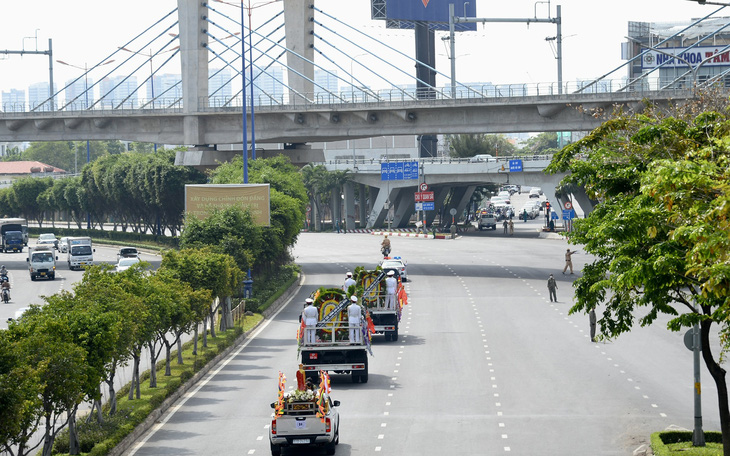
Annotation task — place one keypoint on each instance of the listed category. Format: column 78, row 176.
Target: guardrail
column 434, row 160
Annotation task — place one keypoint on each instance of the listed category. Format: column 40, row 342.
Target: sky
column 85, row 31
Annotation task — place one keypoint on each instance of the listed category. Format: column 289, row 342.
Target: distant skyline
column 85, row 31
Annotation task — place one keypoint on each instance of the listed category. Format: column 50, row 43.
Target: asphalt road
column 485, row 365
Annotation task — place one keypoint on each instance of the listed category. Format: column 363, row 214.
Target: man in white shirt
column 354, row 320
column 348, row 281
column 310, row 315
column 391, row 284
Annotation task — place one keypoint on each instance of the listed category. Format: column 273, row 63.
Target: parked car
column 487, row 220
column 47, row 239
column 63, row 245
column 535, row 192
column 531, row 210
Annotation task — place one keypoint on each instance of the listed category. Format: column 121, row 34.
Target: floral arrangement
column 301, row 396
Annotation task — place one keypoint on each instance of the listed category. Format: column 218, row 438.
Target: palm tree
column 315, row 178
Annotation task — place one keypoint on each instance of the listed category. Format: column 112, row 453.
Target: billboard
column 694, row 56
column 202, row 199
column 402, row 14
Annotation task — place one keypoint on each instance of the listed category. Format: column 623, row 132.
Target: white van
column 80, row 252
column 482, row 158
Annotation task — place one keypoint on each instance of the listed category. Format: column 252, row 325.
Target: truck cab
column 42, row 262
column 80, row 252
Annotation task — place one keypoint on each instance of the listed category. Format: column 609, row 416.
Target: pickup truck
column 486, row 221
column 304, row 419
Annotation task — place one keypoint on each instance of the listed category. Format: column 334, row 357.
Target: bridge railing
column 357, row 96
column 434, row 160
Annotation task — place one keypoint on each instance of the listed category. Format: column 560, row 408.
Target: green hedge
column 101, row 236
column 661, row 442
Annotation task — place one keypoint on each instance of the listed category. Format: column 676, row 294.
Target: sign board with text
column 202, row 199
column 423, row 196
column 392, row 171
column 425, row 206
column 515, row 166
column 568, row 214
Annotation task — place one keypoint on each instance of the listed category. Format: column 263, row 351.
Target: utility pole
column 49, row 53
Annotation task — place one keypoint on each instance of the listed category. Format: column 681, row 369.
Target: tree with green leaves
column 660, row 234
column 543, row 143
column 314, row 177
column 469, row 145
column 26, row 191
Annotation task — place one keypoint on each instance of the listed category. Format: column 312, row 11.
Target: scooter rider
column 385, row 246
column 6, row 286
column 3, row 271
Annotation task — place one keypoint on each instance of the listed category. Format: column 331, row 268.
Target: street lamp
column 86, row 98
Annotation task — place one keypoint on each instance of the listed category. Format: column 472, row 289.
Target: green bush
column 198, row 364
column 252, row 304
column 186, row 375
column 662, row 443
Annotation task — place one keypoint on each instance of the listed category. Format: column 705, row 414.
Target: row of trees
column 58, row 355
column 469, row 145
column 660, row 234
column 135, row 190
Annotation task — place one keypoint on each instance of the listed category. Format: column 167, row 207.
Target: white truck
column 304, row 418
column 80, row 252
column 42, row 262
column 486, row 221
column 331, row 348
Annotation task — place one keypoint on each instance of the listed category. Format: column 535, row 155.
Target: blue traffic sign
column 515, row 166
column 568, row 214
column 392, row 171
column 427, row 206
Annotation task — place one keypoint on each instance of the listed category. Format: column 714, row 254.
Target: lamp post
column 86, row 102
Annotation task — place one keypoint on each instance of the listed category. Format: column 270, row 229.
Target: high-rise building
column 326, row 83
column 268, row 87
column 220, row 89
column 13, row 101
column 119, row 92
column 167, row 90
column 77, row 95
column 38, row 97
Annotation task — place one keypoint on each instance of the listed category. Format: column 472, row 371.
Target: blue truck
column 11, row 237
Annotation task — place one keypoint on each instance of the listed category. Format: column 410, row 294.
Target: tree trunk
column 195, row 341
column 112, row 395
column 168, row 358
column 205, row 332
column 153, row 366
column 718, row 374
column 179, row 350
column 73, row 437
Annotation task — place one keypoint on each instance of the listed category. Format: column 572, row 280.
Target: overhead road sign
column 515, row 166
column 403, row 14
column 391, row 171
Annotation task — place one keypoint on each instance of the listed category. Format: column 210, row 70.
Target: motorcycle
column 385, row 251
column 6, row 295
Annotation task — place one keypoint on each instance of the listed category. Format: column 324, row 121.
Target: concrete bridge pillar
column 194, row 65
column 364, row 201
column 349, row 192
column 300, row 49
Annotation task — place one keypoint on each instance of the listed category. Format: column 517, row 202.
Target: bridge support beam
column 349, row 192
column 362, row 208
column 300, row 49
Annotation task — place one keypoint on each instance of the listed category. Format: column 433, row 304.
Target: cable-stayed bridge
column 204, row 107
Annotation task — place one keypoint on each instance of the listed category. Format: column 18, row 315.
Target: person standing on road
column 348, row 281
column 310, row 315
column 592, row 321
column 524, row 215
column 569, row 260
column 511, row 227
column 552, row 287
column 354, row 321
column 391, row 285
column 504, row 224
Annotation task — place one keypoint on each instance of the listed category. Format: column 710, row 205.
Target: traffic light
column 547, row 206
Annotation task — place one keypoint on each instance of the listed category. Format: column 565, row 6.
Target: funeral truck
column 385, row 316
column 332, row 348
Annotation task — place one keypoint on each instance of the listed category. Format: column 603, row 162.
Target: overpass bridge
column 453, row 181
column 203, row 121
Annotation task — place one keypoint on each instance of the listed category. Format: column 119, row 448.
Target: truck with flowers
column 336, row 343
column 305, row 416
column 384, row 311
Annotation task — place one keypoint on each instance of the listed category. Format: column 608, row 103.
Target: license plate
column 43, row 273
column 300, row 441
column 301, row 425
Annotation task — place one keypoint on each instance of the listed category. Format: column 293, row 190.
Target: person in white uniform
column 354, row 320
column 348, row 281
column 391, row 284
column 310, row 315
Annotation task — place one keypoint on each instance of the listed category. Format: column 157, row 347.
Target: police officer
column 348, row 281
column 310, row 314
column 354, row 320
column 552, row 286
column 391, row 284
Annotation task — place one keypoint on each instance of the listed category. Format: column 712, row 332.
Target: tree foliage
column 469, row 145
column 660, row 234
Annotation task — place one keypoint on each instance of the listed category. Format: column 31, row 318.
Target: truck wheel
column 275, row 449
column 387, row 336
column 355, row 376
column 32, row 279
column 330, row 448
column 394, row 334
column 364, row 377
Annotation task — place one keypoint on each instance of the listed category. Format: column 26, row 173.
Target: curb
column 155, row 415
